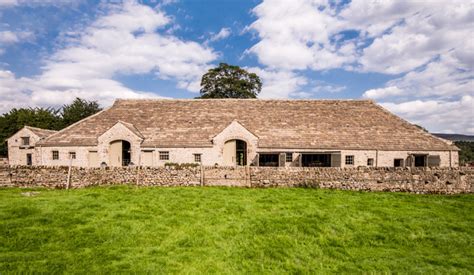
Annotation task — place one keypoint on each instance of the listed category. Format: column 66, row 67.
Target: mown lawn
column 231, row 230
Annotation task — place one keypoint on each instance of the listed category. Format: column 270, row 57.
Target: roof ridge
column 239, row 99
column 37, row 128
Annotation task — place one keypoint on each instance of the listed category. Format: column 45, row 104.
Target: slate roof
column 42, row 133
column 292, row 124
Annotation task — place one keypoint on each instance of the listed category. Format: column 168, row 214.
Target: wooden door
column 115, row 153
column 229, row 153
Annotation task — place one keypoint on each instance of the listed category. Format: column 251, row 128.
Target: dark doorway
column 29, row 159
column 125, row 153
column 420, row 160
column 268, row 160
column 241, row 152
column 316, row 160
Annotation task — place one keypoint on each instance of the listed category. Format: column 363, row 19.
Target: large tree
column 77, row 110
column 227, row 81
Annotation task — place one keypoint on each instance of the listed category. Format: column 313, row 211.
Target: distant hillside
column 455, row 137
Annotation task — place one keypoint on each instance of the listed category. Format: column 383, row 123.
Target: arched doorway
column 235, row 152
column 119, row 153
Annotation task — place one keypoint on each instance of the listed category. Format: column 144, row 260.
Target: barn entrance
column 235, row 152
column 119, row 153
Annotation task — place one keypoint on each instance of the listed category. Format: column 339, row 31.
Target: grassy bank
column 231, row 230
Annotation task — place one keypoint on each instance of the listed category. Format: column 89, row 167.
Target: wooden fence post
column 68, row 184
column 248, row 176
column 202, row 175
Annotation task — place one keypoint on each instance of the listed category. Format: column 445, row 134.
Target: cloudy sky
column 415, row 58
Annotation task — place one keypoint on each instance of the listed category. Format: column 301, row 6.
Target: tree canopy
column 77, row 110
column 46, row 118
column 227, row 81
column 466, row 155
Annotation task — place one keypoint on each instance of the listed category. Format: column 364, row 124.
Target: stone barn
column 236, row 132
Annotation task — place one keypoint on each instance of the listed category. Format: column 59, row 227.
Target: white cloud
column 428, row 29
column 278, row 84
column 322, row 87
column 7, row 3
column 306, row 34
column 438, row 116
column 8, row 38
column 297, row 35
column 383, row 92
column 12, row 3
column 427, row 44
column 222, row 34
column 124, row 41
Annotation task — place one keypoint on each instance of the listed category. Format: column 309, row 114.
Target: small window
column 370, row 162
column 398, row 163
column 72, row 155
column 349, row 160
column 25, row 141
column 55, row 154
column 197, row 157
column 289, row 157
column 164, row 155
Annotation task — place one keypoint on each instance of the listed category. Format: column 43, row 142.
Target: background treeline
column 46, row 118
column 466, row 155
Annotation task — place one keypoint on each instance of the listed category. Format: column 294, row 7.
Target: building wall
column 213, row 155
column 45, row 156
column 17, row 155
column 183, row 155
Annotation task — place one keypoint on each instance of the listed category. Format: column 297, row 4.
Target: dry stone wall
column 415, row 180
column 420, row 180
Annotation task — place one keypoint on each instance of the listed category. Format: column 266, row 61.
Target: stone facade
column 420, row 180
column 18, row 150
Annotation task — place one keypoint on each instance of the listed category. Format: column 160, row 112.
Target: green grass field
column 232, row 230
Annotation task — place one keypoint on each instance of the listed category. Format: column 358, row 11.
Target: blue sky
column 414, row 58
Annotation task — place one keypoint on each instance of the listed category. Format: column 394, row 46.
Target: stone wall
column 415, row 180
column 57, row 177
column 421, row 180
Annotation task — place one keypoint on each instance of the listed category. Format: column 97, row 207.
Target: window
column 316, row 160
column 370, row 162
column 197, row 157
column 72, row 155
column 55, row 154
column 164, row 155
column 420, row 160
column 25, row 141
column 349, row 160
column 289, row 157
column 268, row 160
column 398, row 163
